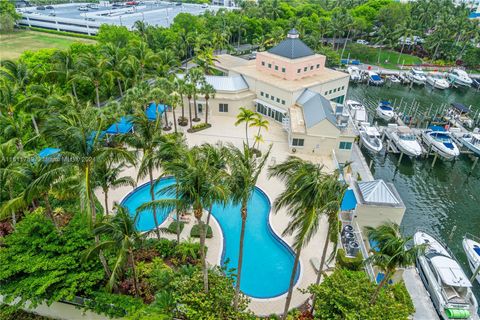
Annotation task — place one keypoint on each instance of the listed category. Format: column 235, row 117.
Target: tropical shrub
column 188, row 252
column 172, row 227
column 346, row 295
column 199, row 127
column 354, row 264
column 165, row 247
column 9, row 313
column 195, row 232
column 39, row 264
column 112, row 305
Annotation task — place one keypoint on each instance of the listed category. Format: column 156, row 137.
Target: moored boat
column 405, row 140
column 394, row 79
column 446, row 282
column 374, row 79
column 417, row 76
column 357, row 111
column 439, row 140
column 459, row 77
column 471, row 246
column 354, row 73
column 470, row 140
column 439, row 83
column 385, row 110
column 457, row 114
column 370, row 138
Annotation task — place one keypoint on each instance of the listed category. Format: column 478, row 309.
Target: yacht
column 354, row 73
column 370, row 138
column 394, row 79
column 457, row 115
column 446, row 282
column 459, row 77
column 417, row 76
column 385, row 110
column 357, row 112
column 439, row 140
column 374, row 79
column 471, row 246
column 405, row 140
column 403, row 78
column 439, row 83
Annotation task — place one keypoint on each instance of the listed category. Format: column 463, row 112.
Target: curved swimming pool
column 267, row 260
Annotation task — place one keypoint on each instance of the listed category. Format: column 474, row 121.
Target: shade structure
column 349, row 202
column 123, row 126
column 154, row 111
column 48, row 152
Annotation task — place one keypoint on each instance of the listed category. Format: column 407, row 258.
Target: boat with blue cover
column 374, row 79
column 385, row 110
column 471, row 246
column 440, row 141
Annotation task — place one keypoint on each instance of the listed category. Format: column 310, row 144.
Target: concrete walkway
column 424, row 309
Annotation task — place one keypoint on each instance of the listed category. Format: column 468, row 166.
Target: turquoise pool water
column 267, row 260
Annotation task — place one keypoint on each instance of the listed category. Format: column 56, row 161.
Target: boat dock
column 424, row 309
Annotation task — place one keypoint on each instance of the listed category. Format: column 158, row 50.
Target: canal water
column 441, row 199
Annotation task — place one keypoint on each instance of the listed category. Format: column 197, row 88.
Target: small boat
column 374, row 79
column 370, row 138
column 459, row 77
column 385, row 110
column 439, row 140
column 394, row 79
column 354, row 73
column 417, row 76
column 403, row 78
column 476, row 83
column 471, row 141
column 449, row 287
column 405, row 140
column 471, row 246
column 357, row 111
column 457, row 114
column 439, row 83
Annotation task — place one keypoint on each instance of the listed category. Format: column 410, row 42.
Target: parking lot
column 156, row 13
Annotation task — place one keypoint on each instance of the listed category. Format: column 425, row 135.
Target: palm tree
column 261, row 123
column 17, row 73
column 179, row 89
column 107, row 175
column 303, row 204
column 91, row 70
column 245, row 116
column 209, row 91
column 65, row 67
column 113, row 62
column 392, row 252
column 244, row 170
column 196, row 78
column 122, row 237
column 188, row 89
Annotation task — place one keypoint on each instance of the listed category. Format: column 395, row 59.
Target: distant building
column 288, row 84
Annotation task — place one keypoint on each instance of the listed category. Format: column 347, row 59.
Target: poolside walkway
column 223, row 130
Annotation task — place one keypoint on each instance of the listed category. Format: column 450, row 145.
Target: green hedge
column 199, row 127
column 173, row 226
column 62, row 33
column 354, row 264
column 195, row 232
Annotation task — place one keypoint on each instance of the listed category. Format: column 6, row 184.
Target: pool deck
column 223, row 130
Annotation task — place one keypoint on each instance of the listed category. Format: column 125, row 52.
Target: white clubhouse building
column 288, row 84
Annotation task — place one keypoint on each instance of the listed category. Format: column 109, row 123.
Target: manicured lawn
column 13, row 44
column 388, row 58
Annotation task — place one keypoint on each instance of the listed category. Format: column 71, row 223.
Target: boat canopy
column 372, row 131
column 404, row 130
column 375, row 77
column 385, row 102
column 437, row 128
column 349, row 202
column 460, row 108
column 450, row 272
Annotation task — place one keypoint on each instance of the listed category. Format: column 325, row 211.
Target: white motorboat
column 471, row 246
column 459, row 77
column 449, row 287
column 439, row 140
column 469, row 140
column 394, row 79
column 417, row 76
column 385, row 110
column 357, row 112
column 370, row 138
column 354, row 73
column 405, row 140
column 403, row 78
column 439, row 83
column 374, row 79
column 457, row 115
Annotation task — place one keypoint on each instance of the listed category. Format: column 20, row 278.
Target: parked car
column 40, row 8
column 90, row 19
column 83, row 8
column 178, row 3
column 204, row 5
column 131, row 3
column 49, row 7
column 92, row 6
column 52, row 14
column 361, row 41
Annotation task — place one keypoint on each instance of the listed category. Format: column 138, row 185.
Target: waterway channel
column 439, row 199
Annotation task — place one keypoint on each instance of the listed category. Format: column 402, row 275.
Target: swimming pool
column 267, row 260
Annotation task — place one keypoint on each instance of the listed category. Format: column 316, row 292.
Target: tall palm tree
column 209, row 91
column 261, row 123
column 245, row 116
column 392, row 253
column 303, row 204
column 107, row 175
column 91, row 70
column 113, row 62
column 196, row 78
column 65, row 68
column 17, row 73
column 121, row 236
column 244, row 169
